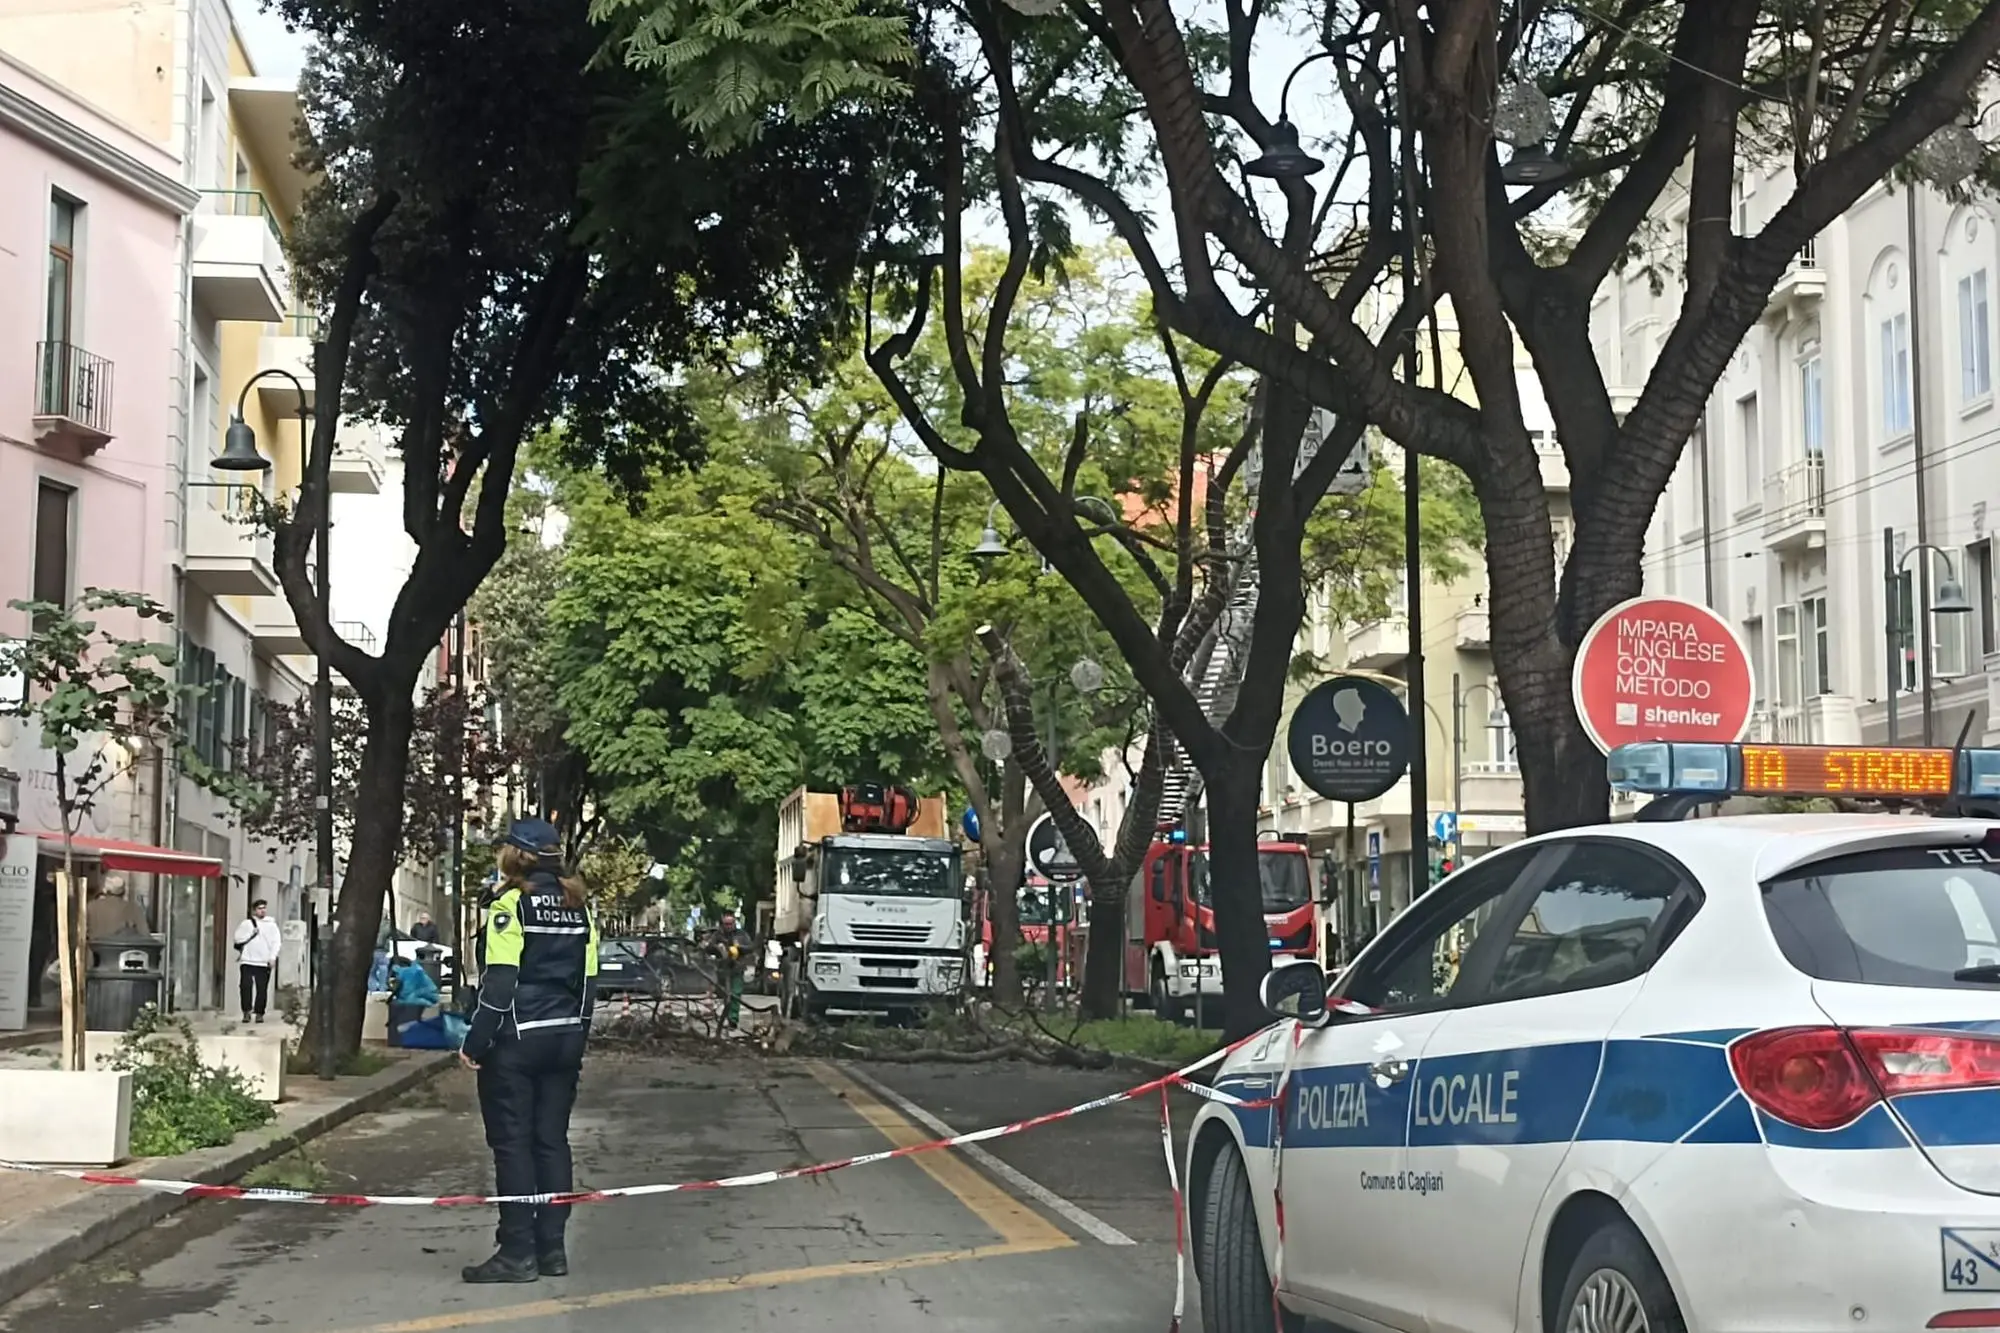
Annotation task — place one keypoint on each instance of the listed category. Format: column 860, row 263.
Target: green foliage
column 179, row 1104
column 616, row 869
column 723, row 66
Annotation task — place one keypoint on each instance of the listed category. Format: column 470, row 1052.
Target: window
column 58, row 324
column 1818, row 647
column 1562, row 534
column 53, row 531
column 1906, row 629
column 1594, row 924
column 1979, row 587
column 1896, row 376
column 1753, row 639
column 1902, row 917
column 1791, row 684
column 1812, row 406
column 1975, row 340
column 1499, row 738
column 1750, row 448
column 1418, row 962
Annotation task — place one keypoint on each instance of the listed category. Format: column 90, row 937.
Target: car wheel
column 1165, row 1007
column 1229, row 1263
column 1615, row 1285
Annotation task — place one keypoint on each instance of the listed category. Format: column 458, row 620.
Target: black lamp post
column 1950, row 600
column 239, row 454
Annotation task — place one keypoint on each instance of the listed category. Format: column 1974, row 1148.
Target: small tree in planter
column 87, row 687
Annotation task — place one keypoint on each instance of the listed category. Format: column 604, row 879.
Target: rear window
column 1909, row 917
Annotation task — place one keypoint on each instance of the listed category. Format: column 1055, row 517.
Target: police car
column 1713, row 1074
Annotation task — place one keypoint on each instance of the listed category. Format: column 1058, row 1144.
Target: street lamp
column 1949, row 601
column 1496, row 720
column 239, row 454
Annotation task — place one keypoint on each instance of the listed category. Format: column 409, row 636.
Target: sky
column 277, row 54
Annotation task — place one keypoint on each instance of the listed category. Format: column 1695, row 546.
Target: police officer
column 537, row 988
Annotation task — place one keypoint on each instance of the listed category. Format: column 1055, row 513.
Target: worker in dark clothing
column 733, row 949
column 537, row 989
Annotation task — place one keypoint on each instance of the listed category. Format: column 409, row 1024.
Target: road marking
column 1089, row 1223
column 714, row 1286
column 1016, row 1223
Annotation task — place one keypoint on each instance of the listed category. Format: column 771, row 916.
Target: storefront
column 28, row 938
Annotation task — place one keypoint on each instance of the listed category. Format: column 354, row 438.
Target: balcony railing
column 1795, row 494
column 357, row 633
column 74, row 386
column 243, row 204
column 301, row 325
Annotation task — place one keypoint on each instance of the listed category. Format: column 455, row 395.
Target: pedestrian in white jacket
column 258, row 945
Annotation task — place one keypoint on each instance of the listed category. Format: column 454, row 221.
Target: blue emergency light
column 1873, row 772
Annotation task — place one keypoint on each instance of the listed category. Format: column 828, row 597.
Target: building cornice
column 85, row 149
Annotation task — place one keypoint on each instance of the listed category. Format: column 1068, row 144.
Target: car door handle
column 1390, row 1069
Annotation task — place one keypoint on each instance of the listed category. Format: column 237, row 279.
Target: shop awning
column 137, row 857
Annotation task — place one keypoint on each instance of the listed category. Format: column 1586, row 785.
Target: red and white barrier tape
column 195, row 1189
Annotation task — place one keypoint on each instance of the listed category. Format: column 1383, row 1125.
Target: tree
column 1037, row 107
column 706, row 668
column 98, row 699
column 509, row 232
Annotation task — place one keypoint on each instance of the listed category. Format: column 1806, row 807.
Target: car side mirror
column 1159, row 882
column 1296, row 991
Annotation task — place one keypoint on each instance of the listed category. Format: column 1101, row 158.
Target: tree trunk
column 1005, row 869
column 1236, row 893
column 71, row 950
column 1104, row 963
column 371, row 865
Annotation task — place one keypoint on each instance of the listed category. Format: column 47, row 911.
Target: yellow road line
column 1014, row 1221
column 783, row 1277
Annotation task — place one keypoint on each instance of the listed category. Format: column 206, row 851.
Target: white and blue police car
column 1709, row 1074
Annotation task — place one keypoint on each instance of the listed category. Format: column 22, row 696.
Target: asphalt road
column 1068, row 1226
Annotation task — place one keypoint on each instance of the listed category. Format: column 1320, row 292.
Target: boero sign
column 1350, row 739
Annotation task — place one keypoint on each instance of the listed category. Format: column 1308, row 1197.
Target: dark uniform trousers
column 526, row 1089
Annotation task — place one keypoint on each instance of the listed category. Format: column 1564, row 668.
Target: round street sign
column 1662, row 669
column 1349, row 739
column 1049, row 854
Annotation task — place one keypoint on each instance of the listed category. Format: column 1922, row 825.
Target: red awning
column 138, row 857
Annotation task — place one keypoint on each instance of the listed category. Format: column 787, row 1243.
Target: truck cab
column 873, row 914
column 1171, row 956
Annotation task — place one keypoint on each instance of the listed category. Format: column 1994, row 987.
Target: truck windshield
column 1034, row 905
column 891, row 873
column 1285, row 883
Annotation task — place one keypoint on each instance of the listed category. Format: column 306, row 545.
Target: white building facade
column 1851, row 441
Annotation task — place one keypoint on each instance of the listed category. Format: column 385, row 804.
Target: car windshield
column 891, row 873
column 1916, row 916
column 1286, row 884
column 626, row 951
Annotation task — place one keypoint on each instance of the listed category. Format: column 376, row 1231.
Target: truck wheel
column 1236, row 1294
column 1165, row 1007
column 1616, row 1286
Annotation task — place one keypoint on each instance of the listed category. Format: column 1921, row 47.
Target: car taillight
column 1822, row 1078
column 1809, row 1077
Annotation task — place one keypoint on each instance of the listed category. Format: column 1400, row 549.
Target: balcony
column 1493, row 787
column 288, row 348
column 239, row 258
column 1795, row 505
column 358, row 464
column 230, row 553
column 72, row 398
column 1801, row 287
column 274, row 629
column 1379, row 643
column 357, row 633
column 1549, row 454
column 1474, row 632
column 1824, row 719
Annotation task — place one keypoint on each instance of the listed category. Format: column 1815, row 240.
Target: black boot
column 502, row 1267
column 553, row 1263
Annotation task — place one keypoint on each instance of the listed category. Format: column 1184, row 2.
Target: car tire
column 1165, row 1007
column 1236, row 1294
column 1615, row 1285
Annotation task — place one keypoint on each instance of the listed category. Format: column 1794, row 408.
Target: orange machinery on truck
column 1170, row 950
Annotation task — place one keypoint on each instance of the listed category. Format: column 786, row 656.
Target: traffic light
column 1444, row 860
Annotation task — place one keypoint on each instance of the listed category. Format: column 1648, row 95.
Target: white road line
column 1095, row 1227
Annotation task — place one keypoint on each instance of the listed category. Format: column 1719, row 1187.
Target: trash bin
column 125, row 976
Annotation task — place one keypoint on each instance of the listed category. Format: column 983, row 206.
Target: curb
column 21, row 1041
column 43, row 1247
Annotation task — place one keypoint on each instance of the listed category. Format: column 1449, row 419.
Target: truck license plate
column 1971, row 1258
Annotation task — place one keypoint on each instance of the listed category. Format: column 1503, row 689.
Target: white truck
column 870, row 903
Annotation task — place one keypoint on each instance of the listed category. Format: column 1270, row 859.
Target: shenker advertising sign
column 1662, row 669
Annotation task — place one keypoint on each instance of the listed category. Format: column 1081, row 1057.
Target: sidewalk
column 48, row 1224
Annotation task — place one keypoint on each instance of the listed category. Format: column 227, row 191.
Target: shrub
column 180, row 1104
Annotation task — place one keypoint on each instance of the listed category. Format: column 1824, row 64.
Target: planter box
column 56, row 1118
column 259, row 1059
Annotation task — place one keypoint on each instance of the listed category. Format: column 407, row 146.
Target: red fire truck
column 1035, row 902
column 1170, row 950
